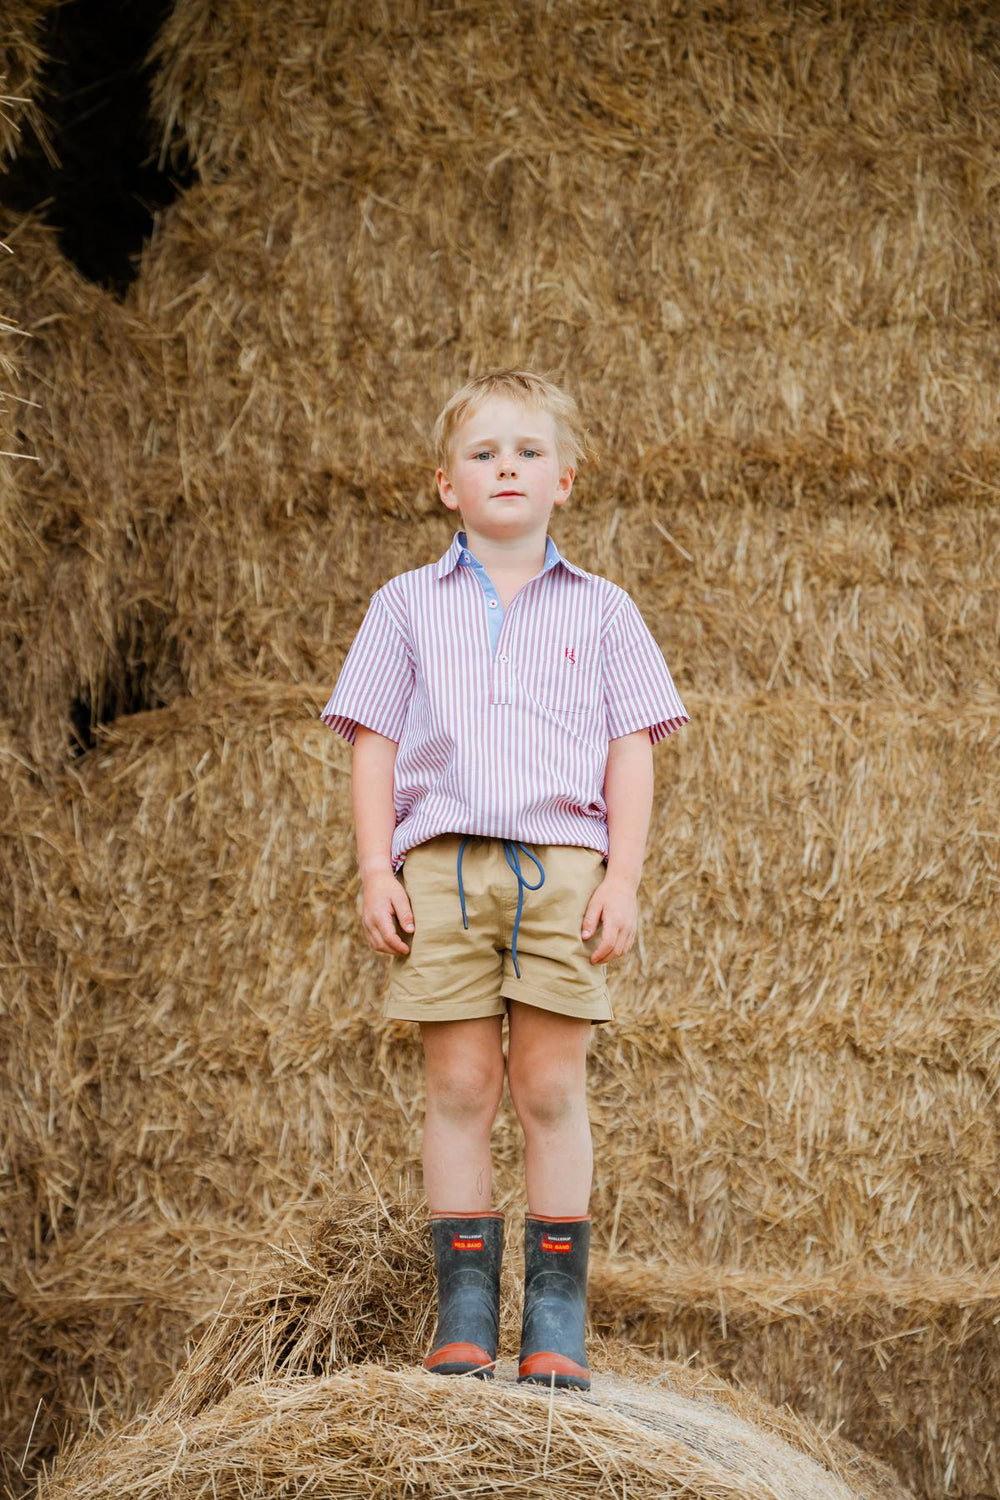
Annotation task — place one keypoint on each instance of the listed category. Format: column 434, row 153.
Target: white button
column 493, row 604
column 503, row 658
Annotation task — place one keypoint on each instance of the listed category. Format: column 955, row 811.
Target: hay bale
column 742, row 227
column 313, row 1376
column 166, row 557
column 376, row 1432
column 85, row 632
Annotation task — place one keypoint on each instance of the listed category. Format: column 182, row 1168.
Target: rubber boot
column 556, row 1251
column 467, row 1253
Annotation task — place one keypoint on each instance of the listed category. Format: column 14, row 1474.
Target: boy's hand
column 616, row 903
column 383, row 897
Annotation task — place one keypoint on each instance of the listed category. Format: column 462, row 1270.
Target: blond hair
column 534, row 391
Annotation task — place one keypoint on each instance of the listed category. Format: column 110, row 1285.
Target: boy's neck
column 521, row 556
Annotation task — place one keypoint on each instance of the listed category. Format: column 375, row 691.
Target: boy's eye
column 484, row 453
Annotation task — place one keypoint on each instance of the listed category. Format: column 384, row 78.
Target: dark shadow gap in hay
column 126, row 686
column 98, row 179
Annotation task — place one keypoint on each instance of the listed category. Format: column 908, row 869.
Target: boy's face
column 504, row 474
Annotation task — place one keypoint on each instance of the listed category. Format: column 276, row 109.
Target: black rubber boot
column 556, row 1252
column 467, row 1253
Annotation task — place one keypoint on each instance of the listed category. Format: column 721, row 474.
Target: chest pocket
column 563, row 683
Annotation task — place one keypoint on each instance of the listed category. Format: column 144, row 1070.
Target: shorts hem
column 597, row 1009
column 433, row 1010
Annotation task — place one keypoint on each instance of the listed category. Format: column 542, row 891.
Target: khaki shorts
column 452, row 973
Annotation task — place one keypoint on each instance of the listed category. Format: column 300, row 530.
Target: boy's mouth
column 509, row 495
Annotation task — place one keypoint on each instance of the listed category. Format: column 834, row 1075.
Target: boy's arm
column 372, row 765
column 628, row 793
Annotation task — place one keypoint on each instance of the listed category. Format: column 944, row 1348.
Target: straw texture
column 21, row 62
column 760, row 245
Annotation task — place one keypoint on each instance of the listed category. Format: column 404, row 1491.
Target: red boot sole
column 541, row 1366
column 459, row 1359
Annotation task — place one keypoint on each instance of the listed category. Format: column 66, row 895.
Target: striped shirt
column 502, row 718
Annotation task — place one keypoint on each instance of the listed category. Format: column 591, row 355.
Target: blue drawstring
column 510, row 848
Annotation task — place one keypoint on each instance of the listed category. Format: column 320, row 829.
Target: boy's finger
column 393, row 941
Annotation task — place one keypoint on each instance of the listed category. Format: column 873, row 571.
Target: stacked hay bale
column 717, row 232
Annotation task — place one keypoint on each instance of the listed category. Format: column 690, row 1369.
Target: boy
column 504, row 694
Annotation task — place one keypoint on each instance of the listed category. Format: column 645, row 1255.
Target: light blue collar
column 458, row 553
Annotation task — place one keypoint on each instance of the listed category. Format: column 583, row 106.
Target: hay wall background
column 763, row 249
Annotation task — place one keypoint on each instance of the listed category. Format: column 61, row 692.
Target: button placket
column 501, row 690
column 501, row 682
column 504, row 657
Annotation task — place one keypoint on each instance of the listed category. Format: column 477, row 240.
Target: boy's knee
column 466, row 1089
column 546, row 1100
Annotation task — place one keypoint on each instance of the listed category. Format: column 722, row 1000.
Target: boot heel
column 556, row 1252
column 467, row 1253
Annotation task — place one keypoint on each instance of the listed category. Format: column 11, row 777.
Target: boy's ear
column 445, row 489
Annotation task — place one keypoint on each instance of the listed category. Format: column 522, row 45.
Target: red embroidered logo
column 459, row 1242
column 570, row 654
column 548, row 1243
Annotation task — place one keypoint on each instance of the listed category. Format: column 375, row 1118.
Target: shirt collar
column 456, row 555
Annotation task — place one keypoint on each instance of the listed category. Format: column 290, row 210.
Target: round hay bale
column 370, row 1431
column 313, row 1381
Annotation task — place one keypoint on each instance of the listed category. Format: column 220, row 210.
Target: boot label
column 550, row 1243
column 462, row 1242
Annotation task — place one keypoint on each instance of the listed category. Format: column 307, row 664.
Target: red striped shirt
column 502, row 718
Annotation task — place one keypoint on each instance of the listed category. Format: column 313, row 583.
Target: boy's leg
column 464, row 1073
column 547, row 1076
column 547, row 1058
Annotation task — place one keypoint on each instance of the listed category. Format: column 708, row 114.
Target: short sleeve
column 376, row 680
column 639, row 691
